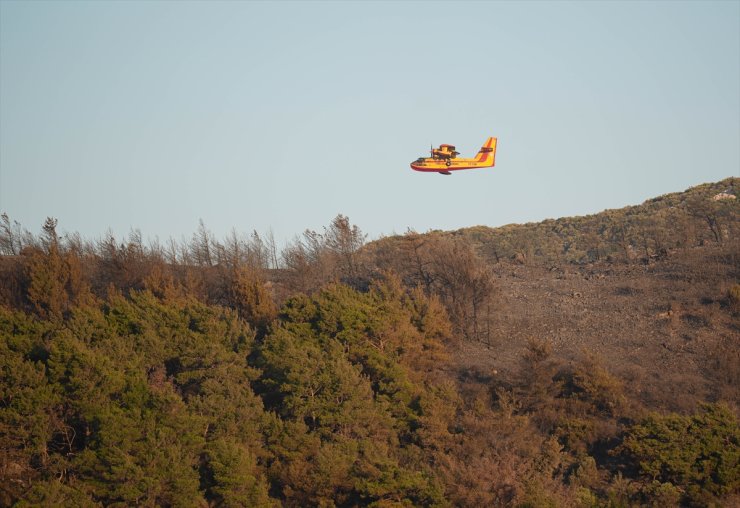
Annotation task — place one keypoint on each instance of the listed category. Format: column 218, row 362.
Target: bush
column 733, row 295
column 697, row 454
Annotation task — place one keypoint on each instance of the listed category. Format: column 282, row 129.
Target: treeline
column 226, row 373
column 47, row 273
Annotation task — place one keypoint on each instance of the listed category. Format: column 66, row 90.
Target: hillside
column 586, row 361
column 643, row 288
column 706, row 213
column 666, row 327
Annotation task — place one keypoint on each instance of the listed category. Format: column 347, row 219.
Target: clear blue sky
column 259, row 115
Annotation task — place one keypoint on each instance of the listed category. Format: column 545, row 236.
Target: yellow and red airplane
column 444, row 159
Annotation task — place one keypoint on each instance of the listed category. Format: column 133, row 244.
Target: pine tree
column 48, row 275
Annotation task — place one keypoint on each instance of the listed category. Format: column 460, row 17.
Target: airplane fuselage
column 436, row 165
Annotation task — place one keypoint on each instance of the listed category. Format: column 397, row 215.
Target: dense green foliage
column 124, row 403
column 697, row 457
column 137, row 400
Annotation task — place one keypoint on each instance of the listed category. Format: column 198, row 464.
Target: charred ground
column 666, row 327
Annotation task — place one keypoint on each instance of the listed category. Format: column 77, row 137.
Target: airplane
column 444, row 159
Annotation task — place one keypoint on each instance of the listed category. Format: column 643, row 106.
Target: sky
column 278, row 116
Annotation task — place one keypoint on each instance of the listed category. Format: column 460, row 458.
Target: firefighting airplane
column 444, row 159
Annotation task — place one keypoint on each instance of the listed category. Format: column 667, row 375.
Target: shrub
column 734, row 296
column 697, row 454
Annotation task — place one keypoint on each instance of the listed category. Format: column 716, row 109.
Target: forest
column 585, row 361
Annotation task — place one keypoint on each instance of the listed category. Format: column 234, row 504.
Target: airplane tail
column 487, row 153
